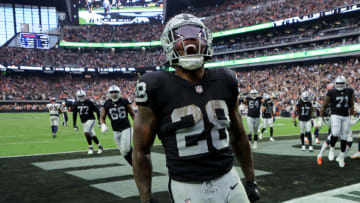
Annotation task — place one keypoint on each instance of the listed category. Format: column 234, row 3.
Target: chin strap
column 191, row 62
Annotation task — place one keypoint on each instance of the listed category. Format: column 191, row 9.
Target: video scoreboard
column 32, row 40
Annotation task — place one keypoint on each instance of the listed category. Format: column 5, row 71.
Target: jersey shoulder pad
column 149, row 83
column 223, row 74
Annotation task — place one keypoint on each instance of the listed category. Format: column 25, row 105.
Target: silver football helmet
column 340, row 82
column 253, row 93
column 81, row 95
column 305, row 97
column 267, row 96
column 187, row 42
column 114, row 93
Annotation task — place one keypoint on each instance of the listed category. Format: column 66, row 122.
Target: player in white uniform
column 54, row 110
column 64, row 111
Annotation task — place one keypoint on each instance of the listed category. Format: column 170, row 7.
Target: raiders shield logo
column 199, row 89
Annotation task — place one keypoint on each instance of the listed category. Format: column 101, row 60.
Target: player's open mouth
column 191, row 49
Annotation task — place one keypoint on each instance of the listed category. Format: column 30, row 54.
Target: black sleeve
column 74, row 110
column 96, row 110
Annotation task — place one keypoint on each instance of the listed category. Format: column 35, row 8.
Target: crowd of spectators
column 284, row 83
column 288, row 49
column 228, row 15
column 57, row 57
column 136, row 58
column 42, row 87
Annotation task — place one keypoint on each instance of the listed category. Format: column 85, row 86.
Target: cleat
column 340, row 160
column 319, row 160
column 255, row 145
column 331, row 154
column 91, row 151
column 303, row 148
column 311, row 149
column 356, row 155
column 260, row 136
column 272, row 139
column 100, row 150
column 317, row 141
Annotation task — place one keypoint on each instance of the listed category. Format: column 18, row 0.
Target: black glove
column 152, row 200
column 295, row 124
column 252, row 191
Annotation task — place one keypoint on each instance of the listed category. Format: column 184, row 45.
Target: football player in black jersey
column 117, row 109
column 86, row 109
column 341, row 101
column 303, row 110
column 253, row 102
column 268, row 116
column 194, row 112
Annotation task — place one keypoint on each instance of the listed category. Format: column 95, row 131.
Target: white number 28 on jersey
column 217, row 113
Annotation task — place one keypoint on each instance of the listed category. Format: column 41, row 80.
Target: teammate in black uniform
column 303, row 110
column 86, row 109
column 117, row 109
column 341, row 101
column 268, row 116
column 192, row 111
column 253, row 102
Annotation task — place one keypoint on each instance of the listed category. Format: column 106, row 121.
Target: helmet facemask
column 340, row 83
column 114, row 95
column 81, row 95
column 187, row 42
column 253, row 94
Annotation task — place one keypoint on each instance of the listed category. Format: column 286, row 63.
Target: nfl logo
column 199, row 89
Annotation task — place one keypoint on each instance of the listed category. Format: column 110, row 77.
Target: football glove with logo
column 252, row 191
column 104, row 128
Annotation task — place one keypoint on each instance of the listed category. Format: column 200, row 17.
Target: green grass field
column 30, row 133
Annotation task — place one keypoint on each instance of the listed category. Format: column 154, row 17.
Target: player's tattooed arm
column 102, row 115
column 326, row 104
column 144, row 135
column 240, row 143
column 131, row 111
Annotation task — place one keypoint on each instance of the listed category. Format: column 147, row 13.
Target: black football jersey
column 118, row 113
column 253, row 106
column 340, row 101
column 304, row 110
column 86, row 110
column 268, row 109
column 193, row 121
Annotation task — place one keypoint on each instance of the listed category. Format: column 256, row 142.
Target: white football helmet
column 305, row 97
column 253, row 93
column 80, row 95
column 187, row 42
column 266, row 96
column 340, row 82
column 114, row 93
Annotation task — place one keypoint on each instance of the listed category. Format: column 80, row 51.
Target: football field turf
column 59, row 170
